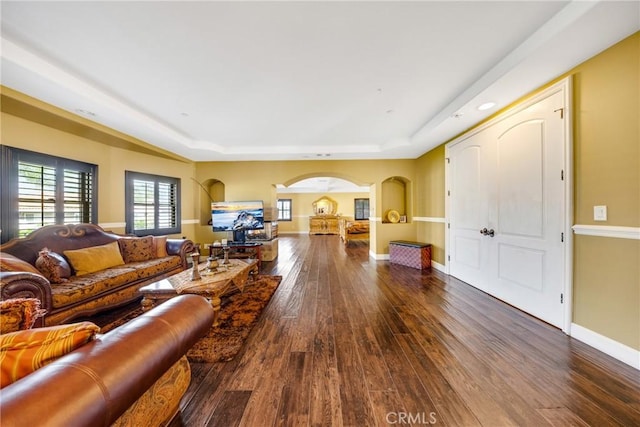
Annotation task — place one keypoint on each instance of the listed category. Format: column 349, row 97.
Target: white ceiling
column 296, row 80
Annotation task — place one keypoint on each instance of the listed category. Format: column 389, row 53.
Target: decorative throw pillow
column 160, row 246
column 53, row 266
column 95, row 258
column 9, row 262
column 23, row 352
column 17, row 314
column 136, row 249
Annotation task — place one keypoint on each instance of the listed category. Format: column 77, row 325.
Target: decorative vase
column 195, row 274
column 212, row 263
column 225, row 261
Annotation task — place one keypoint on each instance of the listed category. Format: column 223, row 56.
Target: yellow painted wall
column 112, row 163
column 607, row 135
column 429, row 202
column 607, row 172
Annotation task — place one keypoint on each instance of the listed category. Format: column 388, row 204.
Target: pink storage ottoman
column 411, row 254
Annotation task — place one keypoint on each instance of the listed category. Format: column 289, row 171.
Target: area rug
column 238, row 314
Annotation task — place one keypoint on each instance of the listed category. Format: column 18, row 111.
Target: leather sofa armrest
column 27, row 285
column 95, row 384
column 181, row 247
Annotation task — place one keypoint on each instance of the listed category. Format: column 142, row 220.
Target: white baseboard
column 619, row 351
column 438, row 266
column 378, row 257
column 385, row 257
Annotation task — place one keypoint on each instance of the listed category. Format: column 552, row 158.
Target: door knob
column 486, row 232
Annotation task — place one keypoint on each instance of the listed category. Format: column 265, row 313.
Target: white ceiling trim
column 567, row 16
column 579, row 31
column 38, row 66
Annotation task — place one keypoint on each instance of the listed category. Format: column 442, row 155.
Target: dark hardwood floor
column 348, row 341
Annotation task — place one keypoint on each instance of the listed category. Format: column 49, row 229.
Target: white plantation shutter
column 167, row 201
column 36, row 197
column 152, row 204
column 78, row 188
column 38, row 190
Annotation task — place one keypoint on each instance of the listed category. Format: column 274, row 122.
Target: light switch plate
column 599, row 213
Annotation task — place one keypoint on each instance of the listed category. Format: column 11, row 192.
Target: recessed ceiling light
column 486, row 106
column 85, row 112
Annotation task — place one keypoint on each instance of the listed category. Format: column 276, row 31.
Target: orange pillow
column 23, row 352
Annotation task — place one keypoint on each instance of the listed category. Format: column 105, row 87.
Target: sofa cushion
column 136, row 249
column 53, row 266
column 95, row 258
column 88, row 286
column 82, row 288
column 160, row 246
column 9, row 262
column 18, row 314
column 155, row 267
column 23, row 352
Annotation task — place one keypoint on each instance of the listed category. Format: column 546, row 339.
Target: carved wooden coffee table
column 212, row 284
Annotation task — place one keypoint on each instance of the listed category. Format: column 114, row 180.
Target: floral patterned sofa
column 79, row 270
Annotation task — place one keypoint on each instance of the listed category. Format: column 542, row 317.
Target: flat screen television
column 237, row 217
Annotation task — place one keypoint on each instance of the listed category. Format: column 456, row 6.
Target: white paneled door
column 506, row 208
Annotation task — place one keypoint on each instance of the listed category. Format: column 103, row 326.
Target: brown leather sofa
column 133, row 375
column 83, row 295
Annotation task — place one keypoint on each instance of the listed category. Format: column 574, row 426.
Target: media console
column 250, row 250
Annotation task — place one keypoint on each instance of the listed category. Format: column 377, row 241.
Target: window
column 361, row 208
column 152, row 204
column 38, row 190
column 284, row 209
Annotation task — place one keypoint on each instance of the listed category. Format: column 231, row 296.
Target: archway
column 301, row 192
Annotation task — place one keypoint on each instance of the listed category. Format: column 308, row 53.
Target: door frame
column 564, row 86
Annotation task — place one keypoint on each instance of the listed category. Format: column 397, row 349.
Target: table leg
column 215, row 303
column 147, row 304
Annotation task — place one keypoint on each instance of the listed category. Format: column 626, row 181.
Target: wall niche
column 211, row 190
column 395, row 199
